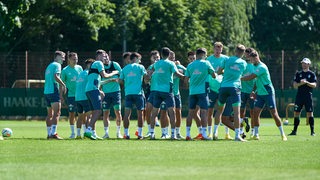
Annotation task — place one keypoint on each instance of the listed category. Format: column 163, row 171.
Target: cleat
column 98, row 138
column 239, row 139
column 147, row 135
column 255, row 137
column 179, row 136
column 313, row 134
column 72, row 136
column 215, row 137
column 243, row 135
column 293, row 133
column 152, row 136
column 284, row 137
column 198, row 137
column 119, row 136
column 140, row 138
column 126, row 136
column 89, row 135
column 206, row 138
column 56, row 136
column 173, row 137
column 106, row 136
column 78, row 137
column 228, row 137
column 247, row 124
column 188, row 138
column 136, row 133
column 165, row 136
column 210, row 135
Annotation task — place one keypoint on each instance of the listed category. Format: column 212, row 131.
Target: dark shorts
column 228, row 109
column 160, row 97
column 113, row 98
column 150, row 97
column 83, row 106
column 94, row 99
column 72, row 106
column 245, row 98
column 52, row 98
column 177, row 101
column 201, row 100
column 263, row 100
column 303, row 100
column 213, row 97
column 138, row 100
column 234, row 94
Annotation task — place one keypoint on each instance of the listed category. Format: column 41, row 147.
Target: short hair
column 201, row 51
column 165, row 51
column 240, row 48
column 218, row 44
column 72, row 54
column 154, row 52
column 254, row 53
column 134, row 55
column 59, row 53
column 191, row 53
column 249, row 50
column 126, row 54
column 100, row 51
column 172, row 52
column 88, row 61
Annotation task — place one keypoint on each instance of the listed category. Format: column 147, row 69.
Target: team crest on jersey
column 196, row 72
column 131, row 74
column 235, row 67
column 160, row 70
column 309, row 76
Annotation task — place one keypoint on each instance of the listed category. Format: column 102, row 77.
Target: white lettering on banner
column 33, row 102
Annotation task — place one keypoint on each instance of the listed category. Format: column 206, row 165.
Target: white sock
column 256, row 130
column 188, row 129
column 149, row 128
column 241, row 130
column 204, row 132
column 173, row 131
column 167, row 130
column 106, row 130
column 163, row 130
column 215, row 130
column 118, row 129
column 177, row 130
column 226, row 129
column 94, row 133
column 209, row 130
column 49, row 130
column 72, row 129
column 53, row 129
column 78, row 131
column 83, row 128
column 126, row 131
column 89, row 129
column 237, row 132
column 252, row 131
column 281, row 130
column 151, row 131
column 139, row 131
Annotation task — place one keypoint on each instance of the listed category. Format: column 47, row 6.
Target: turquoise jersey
column 247, row 86
column 69, row 76
column 216, row 63
column 132, row 75
column 112, row 86
column 176, row 80
column 81, row 86
column 51, row 85
column 263, row 80
column 233, row 70
column 198, row 72
column 162, row 77
column 151, row 84
column 94, row 78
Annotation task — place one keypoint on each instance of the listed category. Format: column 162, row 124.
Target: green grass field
column 28, row 155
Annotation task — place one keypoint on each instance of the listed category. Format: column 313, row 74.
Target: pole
column 282, row 70
column 26, row 70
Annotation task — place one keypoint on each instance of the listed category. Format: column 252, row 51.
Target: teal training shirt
column 132, row 75
column 233, row 70
column 216, row 63
column 112, row 86
column 81, row 86
column 152, row 84
column 263, row 79
column 51, row 85
column 247, row 86
column 69, row 76
column 162, row 77
column 94, row 79
column 176, row 80
column 198, row 72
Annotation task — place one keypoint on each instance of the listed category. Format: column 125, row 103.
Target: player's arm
column 248, row 77
column 105, row 75
column 108, row 81
column 61, row 83
column 220, row 71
